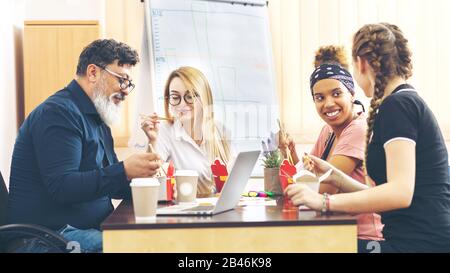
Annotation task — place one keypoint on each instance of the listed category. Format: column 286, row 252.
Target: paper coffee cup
column 145, row 198
column 186, row 181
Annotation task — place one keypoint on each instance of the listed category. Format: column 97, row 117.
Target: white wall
column 64, row 10
column 11, row 15
column 300, row 27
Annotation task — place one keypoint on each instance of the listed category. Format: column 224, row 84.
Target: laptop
column 231, row 191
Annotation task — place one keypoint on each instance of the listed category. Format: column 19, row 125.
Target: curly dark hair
column 331, row 55
column 102, row 52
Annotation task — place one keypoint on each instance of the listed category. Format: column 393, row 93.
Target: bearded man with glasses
column 64, row 170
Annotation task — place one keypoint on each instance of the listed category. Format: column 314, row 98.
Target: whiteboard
column 231, row 44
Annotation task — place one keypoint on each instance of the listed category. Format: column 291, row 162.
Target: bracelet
column 325, row 203
column 328, row 202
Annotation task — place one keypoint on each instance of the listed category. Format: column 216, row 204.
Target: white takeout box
column 310, row 179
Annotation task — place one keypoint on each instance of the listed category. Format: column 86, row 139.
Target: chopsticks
column 158, row 118
column 152, row 150
column 285, row 135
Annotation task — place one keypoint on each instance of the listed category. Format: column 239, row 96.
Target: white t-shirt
column 175, row 144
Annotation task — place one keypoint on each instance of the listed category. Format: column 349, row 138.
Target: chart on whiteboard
column 230, row 44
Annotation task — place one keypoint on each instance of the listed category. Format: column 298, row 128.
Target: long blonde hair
column 217, row 144
column 386, row 50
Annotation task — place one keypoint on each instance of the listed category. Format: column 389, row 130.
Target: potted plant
column 272, row 159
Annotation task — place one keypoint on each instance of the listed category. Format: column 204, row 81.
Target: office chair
column 15, row 236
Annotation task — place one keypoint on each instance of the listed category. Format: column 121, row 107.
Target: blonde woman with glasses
column 190, row 137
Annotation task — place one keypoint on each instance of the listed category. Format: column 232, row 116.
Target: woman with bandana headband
column 406, row 156
column 341, row 140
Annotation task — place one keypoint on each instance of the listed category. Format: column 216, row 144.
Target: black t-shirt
column 425, row 225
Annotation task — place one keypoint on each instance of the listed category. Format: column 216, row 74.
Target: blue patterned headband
column 333, row 71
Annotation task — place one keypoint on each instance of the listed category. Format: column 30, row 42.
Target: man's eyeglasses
column 175, row 99
column 124, row 82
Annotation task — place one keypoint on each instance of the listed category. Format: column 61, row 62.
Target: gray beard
column 109, row 112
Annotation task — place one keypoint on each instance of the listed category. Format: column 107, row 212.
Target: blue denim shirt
column 64, row 169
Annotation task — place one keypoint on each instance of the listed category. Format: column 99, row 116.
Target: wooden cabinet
column 51, row 51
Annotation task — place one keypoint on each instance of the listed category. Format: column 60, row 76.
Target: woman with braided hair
column 341, row 140
column 405, row 156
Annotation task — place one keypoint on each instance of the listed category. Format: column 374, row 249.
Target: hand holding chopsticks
column 150, row 126
column 284, row 136
column 152, row 150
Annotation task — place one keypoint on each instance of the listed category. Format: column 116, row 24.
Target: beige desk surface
column 244, row 229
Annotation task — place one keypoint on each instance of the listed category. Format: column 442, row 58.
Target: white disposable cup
column 145, row 198
column 186, row 181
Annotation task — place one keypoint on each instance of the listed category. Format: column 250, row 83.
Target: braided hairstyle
column 386, row 50
column 331, row 55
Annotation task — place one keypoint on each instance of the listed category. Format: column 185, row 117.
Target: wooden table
column 244, row 229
